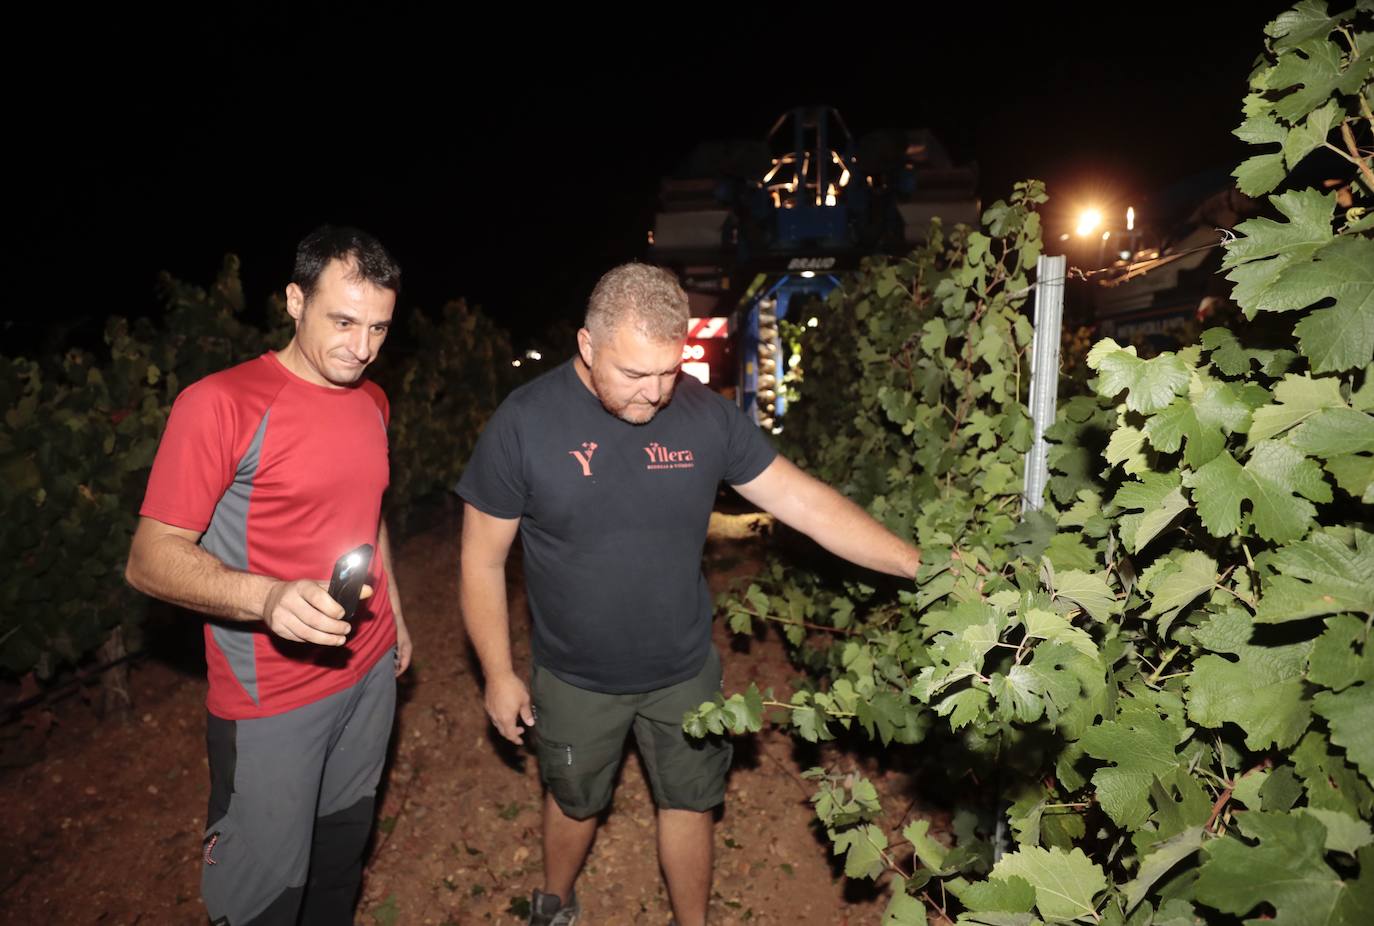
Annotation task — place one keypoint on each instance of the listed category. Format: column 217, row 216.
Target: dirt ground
column 102, row 821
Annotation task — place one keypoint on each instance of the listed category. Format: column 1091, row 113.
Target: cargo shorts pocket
column 580, row 783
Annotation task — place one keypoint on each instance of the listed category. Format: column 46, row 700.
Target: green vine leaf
column 1065, row 883
column 1325, row 574
column 1150, row 385
column 1142, row 746
column 1316, row 71
column 1348, row 714
column 1287, row 870
column 1260, row 697
column 1162, row 858
column 1269, row 248
column 1277, row 480
column 1174, row 582
column 1341, row 336
column 1296, row 399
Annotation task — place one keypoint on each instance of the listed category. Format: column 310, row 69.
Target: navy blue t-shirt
column 613, row 522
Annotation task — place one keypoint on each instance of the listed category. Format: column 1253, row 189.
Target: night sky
column 512, row 157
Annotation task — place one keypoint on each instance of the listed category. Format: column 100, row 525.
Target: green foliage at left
column 80, row 431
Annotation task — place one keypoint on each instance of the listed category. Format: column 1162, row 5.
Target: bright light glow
column 1065, row 237
column 844, row 178
column 1130, row 218
column 1088, row 222
column 808, row 274
column 533, row 355
column 1106, row 235
column 778, row 429
column 793, row 361
column 812, row 322
column 698, row 370
column 1125, row 255
column 353, row 560
column 515, row 363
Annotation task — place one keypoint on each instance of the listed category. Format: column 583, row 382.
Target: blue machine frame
column 777, row 297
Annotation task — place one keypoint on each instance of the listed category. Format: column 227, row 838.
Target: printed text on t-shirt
column 660, row 457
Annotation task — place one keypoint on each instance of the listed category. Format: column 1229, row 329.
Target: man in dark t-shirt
column 608, row 467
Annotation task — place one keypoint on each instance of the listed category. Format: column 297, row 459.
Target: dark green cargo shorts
column 580, row 740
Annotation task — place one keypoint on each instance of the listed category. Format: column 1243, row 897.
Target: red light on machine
column 708, row 353
column 716, row 326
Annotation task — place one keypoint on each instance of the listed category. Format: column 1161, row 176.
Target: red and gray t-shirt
column 613, row 522
column 281, row 477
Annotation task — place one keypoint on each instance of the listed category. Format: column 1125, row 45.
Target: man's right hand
column 508, row 700
column 303, row 612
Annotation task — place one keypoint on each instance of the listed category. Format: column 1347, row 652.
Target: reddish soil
column 102, row 821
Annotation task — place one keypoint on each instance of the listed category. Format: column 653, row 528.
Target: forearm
column 804, row 503
column 393, row 591
column 178, row 571
column 848, row 531
column 482, row 597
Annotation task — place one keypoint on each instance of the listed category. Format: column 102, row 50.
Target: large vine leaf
column 1287, row 870
column 1065, row 883
column 1340, row 336
column 1278, row 481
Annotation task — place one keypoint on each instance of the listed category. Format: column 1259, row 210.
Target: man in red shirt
column 267, row 473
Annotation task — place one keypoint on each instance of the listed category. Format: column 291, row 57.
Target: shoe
column 545, row 910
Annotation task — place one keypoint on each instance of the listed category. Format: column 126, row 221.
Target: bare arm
column 805, row 503
column 482, row 596
column 165, row 562
column 404, row 646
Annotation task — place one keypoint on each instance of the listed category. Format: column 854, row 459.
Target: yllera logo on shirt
column 584, row 456
column 660, row 457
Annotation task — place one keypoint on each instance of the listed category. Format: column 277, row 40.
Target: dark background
column 510, row 155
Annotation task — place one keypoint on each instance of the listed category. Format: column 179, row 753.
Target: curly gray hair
column 648, row 297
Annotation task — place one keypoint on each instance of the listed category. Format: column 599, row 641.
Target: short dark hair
column 371, row 262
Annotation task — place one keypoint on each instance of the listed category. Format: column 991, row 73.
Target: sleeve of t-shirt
column 383, row 404
column 494, row 480
column 195, row 462
column 748, row 450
